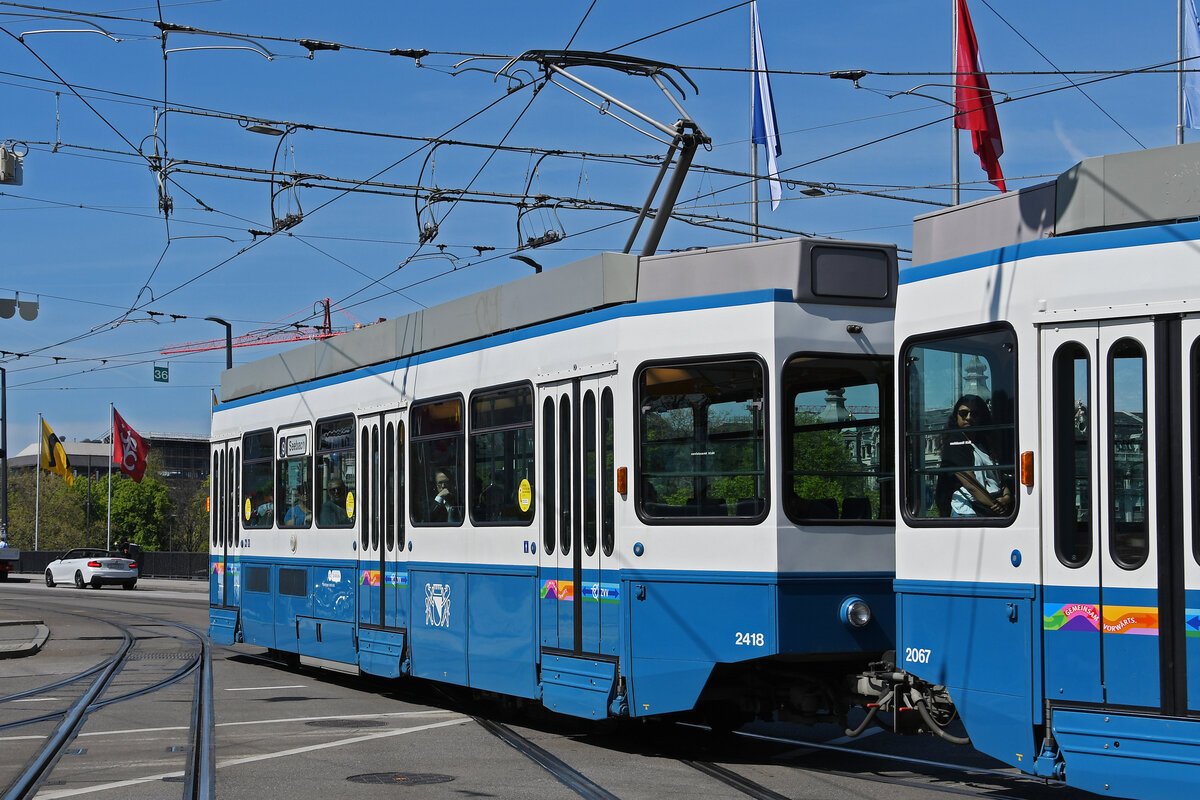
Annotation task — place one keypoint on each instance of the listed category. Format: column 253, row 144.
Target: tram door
column 380, row 512
column 1116, row 538
column 579, row 588
column 226, row 473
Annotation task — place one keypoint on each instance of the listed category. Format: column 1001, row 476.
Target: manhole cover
column 346, row 723
column 400, row 778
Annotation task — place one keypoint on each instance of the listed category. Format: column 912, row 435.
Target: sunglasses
column 964, row 413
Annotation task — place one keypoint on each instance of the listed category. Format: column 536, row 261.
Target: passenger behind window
column 971, row 492
column 445, row 506
column 300, row 514
column 333, row 510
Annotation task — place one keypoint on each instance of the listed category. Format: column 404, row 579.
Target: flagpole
column 753, row 146
column 954, row 120
column 112, row 443
column 37, row 488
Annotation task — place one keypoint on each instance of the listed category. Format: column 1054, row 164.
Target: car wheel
column 95, row 583
column 128, row 584
column 79, row 584
column 49, row 579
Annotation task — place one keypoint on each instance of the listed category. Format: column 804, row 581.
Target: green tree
column 191, row 518
column 54, row 512
column 823, row 466
column 141, row 512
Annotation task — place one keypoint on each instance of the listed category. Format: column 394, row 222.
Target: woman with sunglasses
column 978, row 490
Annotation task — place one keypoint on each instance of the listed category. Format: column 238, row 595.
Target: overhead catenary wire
column 734, row 187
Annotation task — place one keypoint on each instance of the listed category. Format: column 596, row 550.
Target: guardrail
column 151, row 564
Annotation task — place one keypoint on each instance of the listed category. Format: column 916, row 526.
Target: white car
column 85, row 566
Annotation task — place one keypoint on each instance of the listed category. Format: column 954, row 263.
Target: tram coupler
column 911, row 704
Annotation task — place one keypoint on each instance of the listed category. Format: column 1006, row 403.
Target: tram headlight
column 855, row 612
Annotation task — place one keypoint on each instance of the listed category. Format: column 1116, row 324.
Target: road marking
column 268, row 688
column 232, row 762
column 285, row 721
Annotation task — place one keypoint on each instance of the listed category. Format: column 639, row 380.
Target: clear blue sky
column 84, row 231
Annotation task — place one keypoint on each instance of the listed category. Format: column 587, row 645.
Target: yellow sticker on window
column 350, row 505
column 247, row 509
column 525, row 495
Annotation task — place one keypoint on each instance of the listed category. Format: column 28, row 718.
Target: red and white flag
column 129, row 449
column 973, row 100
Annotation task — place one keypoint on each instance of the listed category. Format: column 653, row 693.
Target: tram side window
column 1129, row 542
column 702, row 450
column 837, row 435
column 336, row 472
column 293, row 481
column 435, row 486
column 959, row 426
column 501, row 477
column 258, row 479
column 1071, row 396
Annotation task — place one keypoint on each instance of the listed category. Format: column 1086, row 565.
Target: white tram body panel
column 627, row 486
column 1049, row 347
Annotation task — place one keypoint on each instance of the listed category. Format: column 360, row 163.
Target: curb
column 29, row 645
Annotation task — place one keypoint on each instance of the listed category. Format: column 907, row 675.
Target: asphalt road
column 299, row 733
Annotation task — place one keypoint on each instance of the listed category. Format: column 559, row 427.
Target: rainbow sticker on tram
column 1071, row 617
column 591, row 593
column 1137, row 620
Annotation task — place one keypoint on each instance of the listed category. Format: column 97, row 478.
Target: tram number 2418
column 916, row 655
column 749, row 639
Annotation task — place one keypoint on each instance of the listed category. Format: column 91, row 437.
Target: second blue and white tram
column 629, row 486
column 1048, row 556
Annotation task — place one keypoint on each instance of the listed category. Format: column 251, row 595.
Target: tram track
column 724, row 759
column 960, row 779
column 199, row 767
column 566, row 774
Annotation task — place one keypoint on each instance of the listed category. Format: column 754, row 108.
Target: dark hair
column 980, row 413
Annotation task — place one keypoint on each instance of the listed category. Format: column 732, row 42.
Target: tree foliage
column 154, row 513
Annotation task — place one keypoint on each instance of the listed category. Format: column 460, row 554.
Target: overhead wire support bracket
column 685, row 134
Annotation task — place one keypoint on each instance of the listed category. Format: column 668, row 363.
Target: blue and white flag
column 1191, row 80
column 766, row 129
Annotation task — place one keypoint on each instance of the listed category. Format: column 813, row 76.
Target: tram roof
column 1123, row 190
column 597, row 282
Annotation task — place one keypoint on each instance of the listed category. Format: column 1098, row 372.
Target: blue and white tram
column 626, row 486
column 1048, row 557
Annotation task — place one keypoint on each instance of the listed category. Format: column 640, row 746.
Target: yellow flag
column 54, row 457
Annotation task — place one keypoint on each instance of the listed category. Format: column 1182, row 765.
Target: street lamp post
column 228, row 340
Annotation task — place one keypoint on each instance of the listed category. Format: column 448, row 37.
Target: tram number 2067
column 916, row 655
column 749, row 639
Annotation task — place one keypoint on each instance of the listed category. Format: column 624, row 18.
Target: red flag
column 129, row 449
column 973, row 101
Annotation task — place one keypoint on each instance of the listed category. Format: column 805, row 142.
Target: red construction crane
column 275, row 334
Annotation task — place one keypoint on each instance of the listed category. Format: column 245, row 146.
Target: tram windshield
column 837, row 433
column 959, row 427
